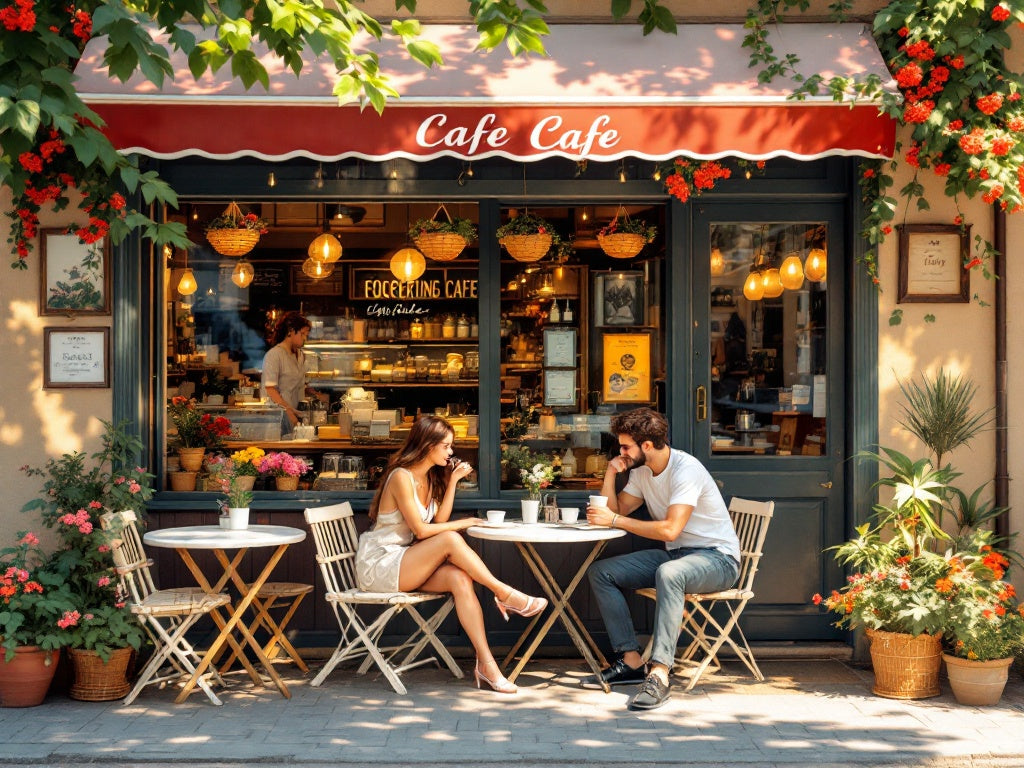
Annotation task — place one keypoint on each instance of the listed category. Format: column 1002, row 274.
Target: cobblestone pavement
column 818, row 713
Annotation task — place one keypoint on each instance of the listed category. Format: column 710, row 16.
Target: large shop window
column 380, row 349
column 768, row 307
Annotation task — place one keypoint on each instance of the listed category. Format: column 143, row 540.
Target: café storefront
column 771, row 386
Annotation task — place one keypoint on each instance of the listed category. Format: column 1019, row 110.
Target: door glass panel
column 768, row 311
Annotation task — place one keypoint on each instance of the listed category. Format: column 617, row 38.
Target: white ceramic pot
column 531, row 510
column 238, row 518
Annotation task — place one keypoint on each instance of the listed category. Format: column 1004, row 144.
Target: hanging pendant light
column 325, row 247
column 753, row 287
column 791, row 273
column 772, row 282
column 408, row 264
column 317, row 269
column 243, row 273
column 187, row 285
column 816, row 265
column 717, row 262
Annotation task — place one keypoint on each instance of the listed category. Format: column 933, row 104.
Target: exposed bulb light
column 622, row 173
column 816, row 265
column 791, row 273
column 469, row 170
column 317, row 269
column 657, row 174
column 393, row 174
column 187, row 285
column 717, row 262
column 325, row 248
column 408, row 264
column 243, row 273
column 271, row 179
column 753, row 288
column 318, row 177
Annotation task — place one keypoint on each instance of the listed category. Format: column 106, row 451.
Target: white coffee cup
column 495, row 515
column 599, row 501
column 570, row 514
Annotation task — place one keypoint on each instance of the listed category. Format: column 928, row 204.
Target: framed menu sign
column 931, row 261
column 626, row 368
column 76, row 357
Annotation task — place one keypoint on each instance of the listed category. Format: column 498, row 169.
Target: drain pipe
column 1002, row 478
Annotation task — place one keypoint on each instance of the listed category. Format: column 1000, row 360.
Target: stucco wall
column 36, row 424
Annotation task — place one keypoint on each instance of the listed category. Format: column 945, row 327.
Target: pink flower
column 30, row 539
column 103, row 581
column 134, row 487
column 95, row 505
column 70, row 619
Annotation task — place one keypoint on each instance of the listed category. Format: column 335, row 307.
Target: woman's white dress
column 380, row 551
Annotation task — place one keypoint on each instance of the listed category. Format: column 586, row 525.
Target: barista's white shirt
column 287, row 372
column 686, row 481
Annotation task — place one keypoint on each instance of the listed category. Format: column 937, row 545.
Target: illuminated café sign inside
column 435, row 284
column 546, row 134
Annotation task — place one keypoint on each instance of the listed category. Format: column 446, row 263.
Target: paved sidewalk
column 816, row 713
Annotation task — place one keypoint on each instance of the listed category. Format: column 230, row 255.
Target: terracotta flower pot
column 25, row 679
column 906, row 667
column 977, row 683
column 287, row 483
column 191, row 459
column 183, row 481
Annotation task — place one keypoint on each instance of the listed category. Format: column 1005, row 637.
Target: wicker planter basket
column 440, row 246
column 527, row 247
column 286, row 483
column 906, row 667
column 233, row 242
column 621, row 245
column 98, row 680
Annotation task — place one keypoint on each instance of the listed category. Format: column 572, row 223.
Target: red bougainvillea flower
column 1001, row 145
column 991, row 103
column 921, row 50
column 919, row 112
column 956, row 125
column 993, row 194
column 1000, row 13
column 958, row 220
column 973, row 143
column 975, row 262
column 910, row 75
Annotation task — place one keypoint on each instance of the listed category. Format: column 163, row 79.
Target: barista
column 283, row 380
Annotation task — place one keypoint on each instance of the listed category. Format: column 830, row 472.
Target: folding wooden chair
column 707, row 634
column 334, row 534
column 275, row 595
column 166, row 614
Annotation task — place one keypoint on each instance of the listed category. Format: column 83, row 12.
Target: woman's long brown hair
column 427, row 431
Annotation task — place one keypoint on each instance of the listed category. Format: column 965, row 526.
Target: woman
column 283, row 380
column 414, row 546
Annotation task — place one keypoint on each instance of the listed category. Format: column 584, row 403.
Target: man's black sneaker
column 619, row 673
column 652, row 694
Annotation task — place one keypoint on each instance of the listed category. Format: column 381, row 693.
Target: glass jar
column 416, row 329
column 462, row 328
column 448, row 327
column 474, row 328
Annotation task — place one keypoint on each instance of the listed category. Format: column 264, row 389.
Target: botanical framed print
column 76, row 357
column 931, row 263
column 559, row 347
column 626, row 367
column 74, row 277
column 560, row 387
column 619, row 298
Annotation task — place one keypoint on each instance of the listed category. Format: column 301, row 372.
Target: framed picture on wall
column 931, row 263
column 619, row 298
column 74, row 277
column 76, row 357
column 626, row 367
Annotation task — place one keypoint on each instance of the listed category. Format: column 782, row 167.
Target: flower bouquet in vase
column 237, row 490
column 539, row 476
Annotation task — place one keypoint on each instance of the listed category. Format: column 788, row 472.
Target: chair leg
column 172, row 644
column 722, row 636
column 429, row 629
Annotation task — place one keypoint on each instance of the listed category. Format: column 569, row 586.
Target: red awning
column 605, row 93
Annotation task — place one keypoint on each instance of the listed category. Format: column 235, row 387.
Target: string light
column 243, row 273
column 271, row 179
column 622, row 171
column 408, row 264
column 317, row 269
column 318, row 176
column 657, row 173
column 187, row 285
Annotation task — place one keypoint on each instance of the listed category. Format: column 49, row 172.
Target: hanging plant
column 623, row 237
column 527, row 237
column 442, row 239
column 234, row 233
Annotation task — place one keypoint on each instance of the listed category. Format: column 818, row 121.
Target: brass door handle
column 702, row 403
column 826, row 484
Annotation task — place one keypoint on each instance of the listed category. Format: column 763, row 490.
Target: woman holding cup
column 414, row 545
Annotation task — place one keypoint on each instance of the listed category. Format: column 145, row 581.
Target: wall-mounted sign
column 931, row 262
column 380, row 284
column 76, row 357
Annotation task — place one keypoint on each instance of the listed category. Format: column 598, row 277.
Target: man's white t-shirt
column 686, row 481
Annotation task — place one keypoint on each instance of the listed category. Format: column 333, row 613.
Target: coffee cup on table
column 570, row 514
column 495, row 515
column 598, row 501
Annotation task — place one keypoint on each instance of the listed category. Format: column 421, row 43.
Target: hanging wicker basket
column 527, row 247
column 233, row 242
column 440, row 246
column 621, row 245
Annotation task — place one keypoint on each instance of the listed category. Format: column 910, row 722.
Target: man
column 701, row 552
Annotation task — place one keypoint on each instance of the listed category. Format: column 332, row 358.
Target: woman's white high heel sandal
column 499, row 684
column 534, row 605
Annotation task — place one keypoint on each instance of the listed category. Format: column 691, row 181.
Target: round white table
column 219, row 540
column 526, row 537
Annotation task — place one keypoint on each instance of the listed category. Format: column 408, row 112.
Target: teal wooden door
column 764, row 374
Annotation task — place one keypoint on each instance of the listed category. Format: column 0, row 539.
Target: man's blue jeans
column 674, row 574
